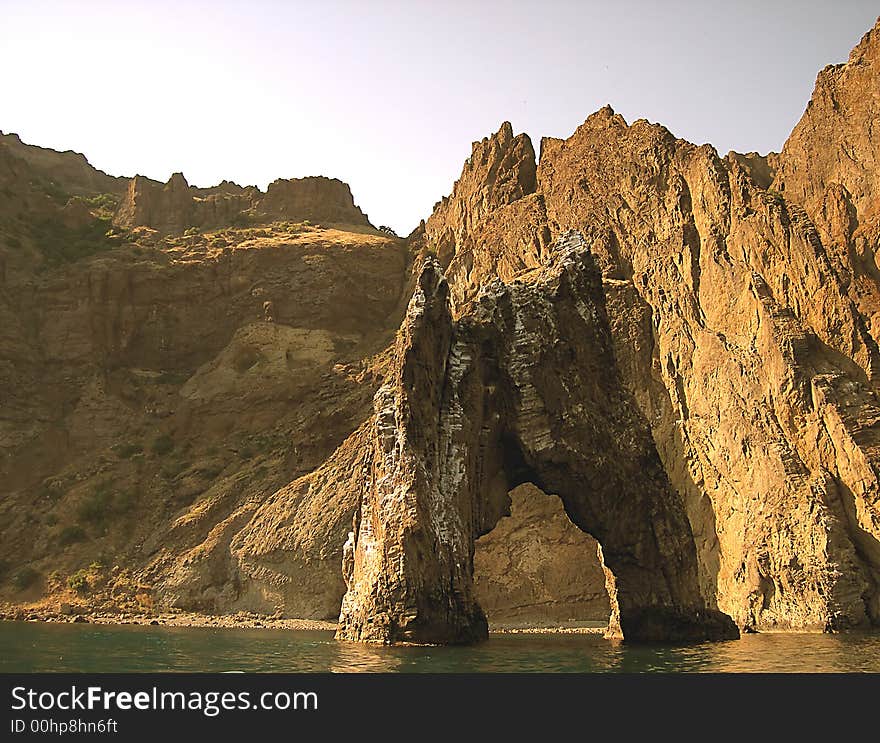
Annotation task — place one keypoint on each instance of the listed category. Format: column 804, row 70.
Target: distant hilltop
column 175, row 206
column 69, row 170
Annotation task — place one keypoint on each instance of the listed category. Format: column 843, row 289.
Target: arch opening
column 536, row 569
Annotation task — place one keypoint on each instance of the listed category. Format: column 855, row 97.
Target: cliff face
column 325, row 200
column 829, row 167
column 835, row 142
column 500, row 171
column 741, row 348
column 535, row 567
column 158, row 389
column 161, row 390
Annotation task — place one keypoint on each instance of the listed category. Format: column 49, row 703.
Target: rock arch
column 523, row 387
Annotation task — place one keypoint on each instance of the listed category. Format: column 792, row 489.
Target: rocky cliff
column 68, row 171
column 177, row 207
column 535, row 568
column 743, row 331
column 829, row 166
column 678, row 349
column 158, row 387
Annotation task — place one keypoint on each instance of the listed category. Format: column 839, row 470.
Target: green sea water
column 35, row 646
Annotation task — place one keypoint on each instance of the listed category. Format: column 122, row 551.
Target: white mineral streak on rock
column 445, row 516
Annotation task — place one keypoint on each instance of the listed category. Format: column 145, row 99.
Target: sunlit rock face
column 537, row 569
column 829, row 167
column 169, row 398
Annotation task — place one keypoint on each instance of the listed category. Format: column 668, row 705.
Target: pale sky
column 388, row 95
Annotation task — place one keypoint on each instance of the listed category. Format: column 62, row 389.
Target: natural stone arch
column 522, row 388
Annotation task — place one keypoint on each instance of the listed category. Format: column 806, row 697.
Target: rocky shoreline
column 67, row 614
column 561, row 630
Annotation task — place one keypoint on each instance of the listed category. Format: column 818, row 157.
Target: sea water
column 90, row 648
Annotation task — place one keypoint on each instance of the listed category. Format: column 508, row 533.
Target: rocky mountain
column 524, row 388
column 627, row 377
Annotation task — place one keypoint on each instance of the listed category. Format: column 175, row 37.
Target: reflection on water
column 32, row 646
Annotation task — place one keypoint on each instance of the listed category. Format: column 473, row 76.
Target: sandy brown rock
column 829, row 167
column 697, row 381
column 407, row 563
column 738, row 336
column 318, row 199
column 729, row 323
column 536, row 568
column 835, row 142
column 489, row 225
column 154, row 409
column 177, row 207
column 69, row 171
